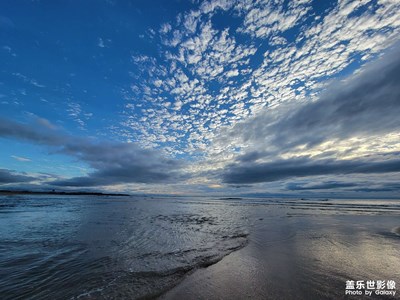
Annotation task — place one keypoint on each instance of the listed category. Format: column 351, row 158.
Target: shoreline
column 285, row 258
column 198, row 268
column 191, row 278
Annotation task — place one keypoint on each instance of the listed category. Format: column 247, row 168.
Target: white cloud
column 76, row 113
column 20, row 158
column 205, row 79
column 100, row 43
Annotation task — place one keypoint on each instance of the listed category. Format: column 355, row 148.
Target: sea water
column 104, row 247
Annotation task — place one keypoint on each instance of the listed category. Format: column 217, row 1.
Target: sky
column 218, row 97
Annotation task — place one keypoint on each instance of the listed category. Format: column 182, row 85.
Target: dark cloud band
column 7, row 176
column 304, row 167
column 112, row 162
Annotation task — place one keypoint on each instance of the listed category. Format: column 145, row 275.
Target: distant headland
column 53, row 192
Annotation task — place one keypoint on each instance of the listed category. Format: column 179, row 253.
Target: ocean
column 109, row 247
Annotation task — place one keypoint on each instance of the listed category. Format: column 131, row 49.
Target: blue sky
column 177, row 96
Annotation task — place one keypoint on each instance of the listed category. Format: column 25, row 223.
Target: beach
column 307, row 255
column 97, row 247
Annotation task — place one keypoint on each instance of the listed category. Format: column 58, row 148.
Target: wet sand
column 96, row 247
column 303, row 256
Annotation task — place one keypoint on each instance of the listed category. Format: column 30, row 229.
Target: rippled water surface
column 90, row 247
